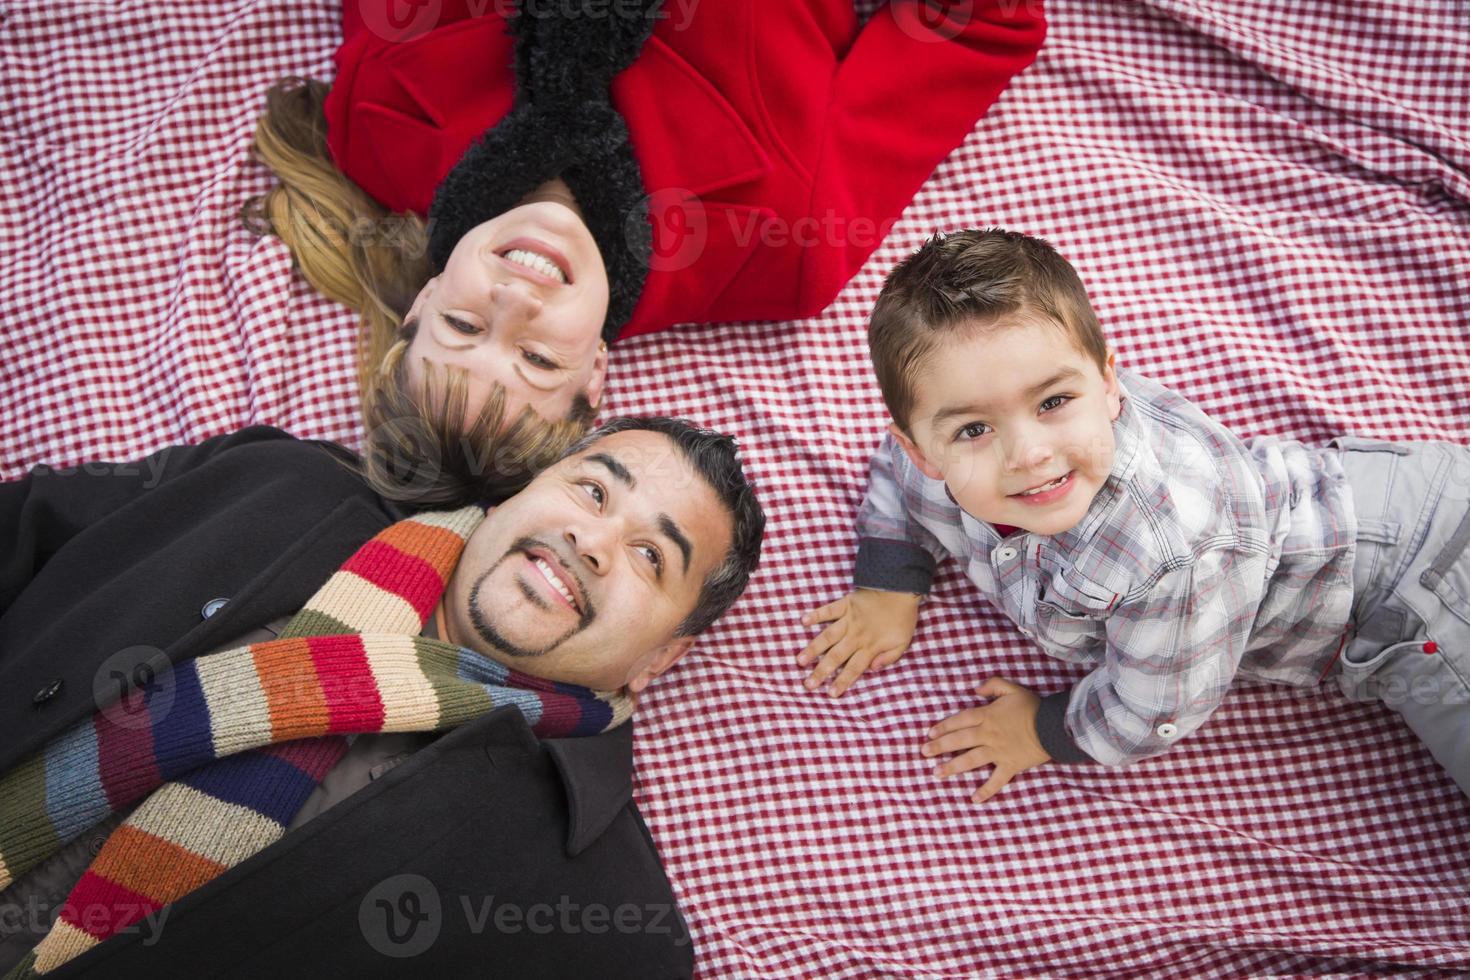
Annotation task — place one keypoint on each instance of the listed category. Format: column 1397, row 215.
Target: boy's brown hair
column 976, row 278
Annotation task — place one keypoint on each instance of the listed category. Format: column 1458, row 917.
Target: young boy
column 1122, row 529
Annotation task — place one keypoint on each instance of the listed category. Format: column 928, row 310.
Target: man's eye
column 654, row 555
column 595, row 490
column 540, row 361
column 970, row 431
column 460, row 326
column 1061, row 399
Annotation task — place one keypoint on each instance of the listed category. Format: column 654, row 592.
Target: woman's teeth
column 1050, row 486
column 534, row 260
column 550, row 576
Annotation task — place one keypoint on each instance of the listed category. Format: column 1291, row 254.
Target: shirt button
column 1167, row 730
column 212, row 606
column 47, row 693
column 1006, row 553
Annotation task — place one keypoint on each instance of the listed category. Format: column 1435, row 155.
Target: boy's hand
column 1001, row 733
column 869, row 627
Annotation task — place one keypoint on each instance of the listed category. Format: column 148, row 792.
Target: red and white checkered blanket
column 1270, row 203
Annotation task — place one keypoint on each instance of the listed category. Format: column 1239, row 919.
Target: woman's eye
column 594, row 490
column 460, row 326
column 970, row 431
column 1062, row 399
column 540, row 361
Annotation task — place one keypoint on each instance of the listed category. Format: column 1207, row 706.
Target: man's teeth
column 1050, row 486
column 537, row 261
column 551, row 577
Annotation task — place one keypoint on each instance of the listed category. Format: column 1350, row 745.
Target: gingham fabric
column 1269, row 203
column 1201, row 560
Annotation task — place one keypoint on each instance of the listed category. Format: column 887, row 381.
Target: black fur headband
column 562, row 125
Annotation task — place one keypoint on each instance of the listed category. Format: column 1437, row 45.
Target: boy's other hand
column 869, row 628
column 1001, row 733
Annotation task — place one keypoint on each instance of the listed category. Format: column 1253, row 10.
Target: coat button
column 47, row 693
column 1166, row 730
column 211, row 607
column 1006, row 553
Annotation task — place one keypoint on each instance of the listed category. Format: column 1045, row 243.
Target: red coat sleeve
column 907, row 93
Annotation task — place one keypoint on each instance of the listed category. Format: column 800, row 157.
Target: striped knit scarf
column 227, row 747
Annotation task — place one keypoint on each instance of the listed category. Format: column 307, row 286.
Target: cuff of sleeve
column 1051, row 729
column 893, row 566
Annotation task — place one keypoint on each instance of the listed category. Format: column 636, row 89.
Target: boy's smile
column 1005, row 409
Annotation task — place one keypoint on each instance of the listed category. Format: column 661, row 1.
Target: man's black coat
column 486, row 853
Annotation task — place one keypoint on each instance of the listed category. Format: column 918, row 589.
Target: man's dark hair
column 712, row 455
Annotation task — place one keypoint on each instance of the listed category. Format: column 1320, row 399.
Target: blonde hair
column 418, row 449
column 358, row 253
column 966, row 280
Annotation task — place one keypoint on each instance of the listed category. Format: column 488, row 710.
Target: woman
column 603, row 172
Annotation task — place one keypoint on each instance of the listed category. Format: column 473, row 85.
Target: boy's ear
column 912, row 450
column 1110, row 387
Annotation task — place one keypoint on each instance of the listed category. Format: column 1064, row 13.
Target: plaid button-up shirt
column 1201, row 559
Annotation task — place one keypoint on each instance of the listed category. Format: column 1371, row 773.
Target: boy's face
column 988, row 423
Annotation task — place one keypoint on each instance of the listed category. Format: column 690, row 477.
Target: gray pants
column 1411, row 590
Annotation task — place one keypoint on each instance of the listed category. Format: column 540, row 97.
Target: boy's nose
column 1024, row 458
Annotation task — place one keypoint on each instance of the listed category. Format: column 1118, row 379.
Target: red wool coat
column 778, row 141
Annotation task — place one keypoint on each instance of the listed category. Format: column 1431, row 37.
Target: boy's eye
column 460, row 326
column 539, row 361
column 972, row 431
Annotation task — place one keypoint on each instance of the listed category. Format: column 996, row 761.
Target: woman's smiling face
column 521, row 302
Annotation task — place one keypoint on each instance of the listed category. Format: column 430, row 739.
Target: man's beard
column 488, row 632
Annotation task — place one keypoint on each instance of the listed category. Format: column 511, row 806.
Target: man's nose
column 591, row 540
column 514, row 301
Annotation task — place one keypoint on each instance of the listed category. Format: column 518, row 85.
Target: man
column 481, row 848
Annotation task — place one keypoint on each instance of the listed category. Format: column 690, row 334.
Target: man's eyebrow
column 944, row 414
column 666, row 524
column 615, row 468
